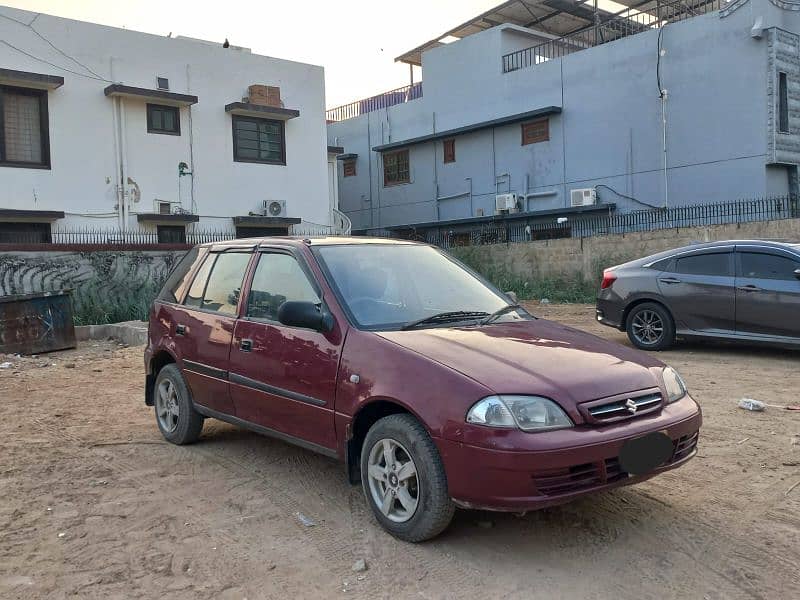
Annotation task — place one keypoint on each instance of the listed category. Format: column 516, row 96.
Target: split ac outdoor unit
column 583, row 197
column 274, row 208
column 505, row 202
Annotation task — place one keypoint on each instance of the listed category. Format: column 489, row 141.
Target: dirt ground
column 93, row 504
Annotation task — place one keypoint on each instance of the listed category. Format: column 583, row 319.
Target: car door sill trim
column 271, row 389
column 284, row 437
column 196, row 367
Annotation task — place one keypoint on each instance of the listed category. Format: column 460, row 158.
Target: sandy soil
column 93, row 504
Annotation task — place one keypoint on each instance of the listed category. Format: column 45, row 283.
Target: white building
column 118, row 130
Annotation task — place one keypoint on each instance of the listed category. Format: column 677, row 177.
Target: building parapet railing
column 678, row 217
column 384, row 100
column 629, row 21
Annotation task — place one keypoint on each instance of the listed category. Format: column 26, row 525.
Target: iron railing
column 529, row 229
column 384, row 100
column 629, row 21
column 88, row 236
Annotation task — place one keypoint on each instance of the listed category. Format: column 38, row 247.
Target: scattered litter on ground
column 796, row 407
column 742, row 441
column 360, row 565
column 544, row 301
column 791, row 463
column 306, row 522
column 361, row 577
column 5, row 365
column 69, row 366
column 787, row 492
column 750, row 404
column 63, row 535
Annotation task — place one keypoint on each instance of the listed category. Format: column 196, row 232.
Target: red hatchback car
column 434, row 388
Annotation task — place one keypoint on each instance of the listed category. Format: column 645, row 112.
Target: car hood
column 536, row 357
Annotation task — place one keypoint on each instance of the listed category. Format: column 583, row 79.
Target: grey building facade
column 689, row 103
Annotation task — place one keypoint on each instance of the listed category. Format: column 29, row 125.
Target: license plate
column 641, row 455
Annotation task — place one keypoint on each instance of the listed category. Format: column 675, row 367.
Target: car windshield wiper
column 453, row 315
column 499, row 313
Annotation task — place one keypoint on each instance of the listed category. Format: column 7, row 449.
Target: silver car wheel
column 393, row 481
column 167, row 406
column 648, row 328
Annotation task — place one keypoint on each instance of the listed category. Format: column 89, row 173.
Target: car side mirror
column 513, row 297
column 305, row 314
column 797, row 273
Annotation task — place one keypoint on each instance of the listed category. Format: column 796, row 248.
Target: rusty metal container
column 36, row 323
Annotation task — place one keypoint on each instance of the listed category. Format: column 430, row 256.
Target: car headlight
column 676, row 388
column 529, row 413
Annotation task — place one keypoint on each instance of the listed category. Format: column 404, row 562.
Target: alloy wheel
column 648, row 328
column 167, row 406
column 393, row 481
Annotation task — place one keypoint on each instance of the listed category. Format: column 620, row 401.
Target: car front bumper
column 560, row 466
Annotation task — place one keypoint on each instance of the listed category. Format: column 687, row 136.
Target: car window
column 766, row 266
column 225, row 283
column 705, row 264
column 195, row 295
column 278, row 278
column 178, row 279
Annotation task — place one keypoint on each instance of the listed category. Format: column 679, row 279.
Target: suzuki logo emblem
column 631, row 406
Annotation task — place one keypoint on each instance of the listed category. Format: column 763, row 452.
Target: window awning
column 335, row 150
column 259, row 110
column 10, row 214
column 167, row 219
column 517, row 118
column 259, row 221
column 349, row 156
column 27, row 79
column 144, row 94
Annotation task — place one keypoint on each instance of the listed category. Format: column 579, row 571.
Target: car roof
column 299, row 240
column 777, row 244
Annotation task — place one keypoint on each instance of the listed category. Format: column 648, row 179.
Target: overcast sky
column 355, row 40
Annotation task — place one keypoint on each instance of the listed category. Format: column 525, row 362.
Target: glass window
column 396, row 168
column 25, row 233
column 178, row 278
column 766, row 266
column 225, row 284
column 389, row 285
column 349, row 168
column 195, row 295
column 705, row 264
column 171, row 234
column 535, row 131
column 23, row 127
column 783, row 103
column 163, row 119
column 449, row 150
column 258, row 140
column 278, row 278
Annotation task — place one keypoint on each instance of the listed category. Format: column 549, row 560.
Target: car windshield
column 391, row 286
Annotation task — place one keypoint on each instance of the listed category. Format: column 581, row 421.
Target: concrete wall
column 82, row 180
column 586, row 257
column 610, row 131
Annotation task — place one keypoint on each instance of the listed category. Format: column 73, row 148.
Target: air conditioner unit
column 506, row 202
column 583, row 197
column 274, row 208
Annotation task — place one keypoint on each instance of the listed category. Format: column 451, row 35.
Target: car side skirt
column 207, row 412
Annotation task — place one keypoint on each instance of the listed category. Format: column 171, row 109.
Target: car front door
column 284, row 378
column 698, row 288
column 767, row 292
column 203, row 327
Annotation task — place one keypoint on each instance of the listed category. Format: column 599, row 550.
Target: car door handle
column 748, row 288
column 669, row 280
column 180, row 329
column 246, row 345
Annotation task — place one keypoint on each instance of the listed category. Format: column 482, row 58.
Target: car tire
column 176, row 417
column 406, row 441
column 650, row 327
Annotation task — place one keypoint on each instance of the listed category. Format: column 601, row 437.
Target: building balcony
column 378, row 102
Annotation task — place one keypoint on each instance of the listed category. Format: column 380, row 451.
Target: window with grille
column 23, row 128
column 171, row 234
column 395, row 168
column 783, row 103
column 535, row 131
column 163, row 119
column 258, row 140
column 449, row 147
column 349, row 168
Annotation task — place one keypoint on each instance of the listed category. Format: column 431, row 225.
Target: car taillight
column 608, row 279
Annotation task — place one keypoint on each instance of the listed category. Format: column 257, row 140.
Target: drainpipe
column 664, row 143
column 124, row 164
column 118, row 180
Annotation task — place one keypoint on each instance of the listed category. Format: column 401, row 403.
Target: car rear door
column 203, row 327
column 698, row 288
column 767, row 292
column 284, row 378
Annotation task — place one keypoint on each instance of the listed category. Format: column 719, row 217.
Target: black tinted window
column 704, row 264
column 178, row 279
column 278, row 278
column 195, row 295
column 225, row 284
column 766, row 266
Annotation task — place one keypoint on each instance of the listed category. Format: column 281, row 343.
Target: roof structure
column 555, row 17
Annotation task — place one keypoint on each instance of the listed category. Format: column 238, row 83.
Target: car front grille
column 555, row 482
column 622, row 407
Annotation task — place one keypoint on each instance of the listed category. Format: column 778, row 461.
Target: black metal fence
column 384, row 100
column 627, row 22
column 83, row 236
column 508, row 230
